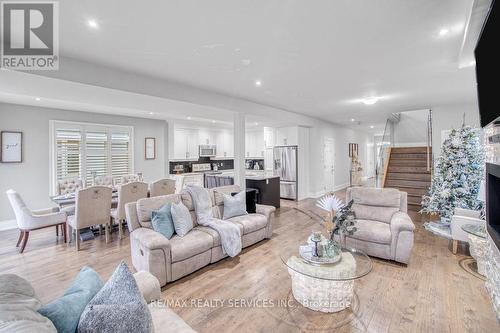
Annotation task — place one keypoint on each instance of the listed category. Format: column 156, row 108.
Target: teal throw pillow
column 65, row 311
column 162, row 221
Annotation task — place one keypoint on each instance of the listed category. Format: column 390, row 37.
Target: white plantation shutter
column 96, row 155
column 120, row 155
column 68, row 153
column 87, row 150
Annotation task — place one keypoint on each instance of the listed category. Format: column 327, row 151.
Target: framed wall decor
column 353, row 149
column 11, row 147
column 150, row 148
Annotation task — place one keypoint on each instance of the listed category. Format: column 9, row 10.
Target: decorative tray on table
column 306, row 253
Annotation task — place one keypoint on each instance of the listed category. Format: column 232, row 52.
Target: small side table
column 477, row 244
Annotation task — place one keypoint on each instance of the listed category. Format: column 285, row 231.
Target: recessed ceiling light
column 188, row 118
column 37, row 98
column 256, row 124
column 151, row 113
column 372, row 126
column 92, row 24
column 213, row 121
column 258, row 83
column 352, row 119
column 443, row 32
column 370, row 100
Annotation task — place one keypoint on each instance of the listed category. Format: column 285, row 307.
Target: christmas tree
column 457, row 175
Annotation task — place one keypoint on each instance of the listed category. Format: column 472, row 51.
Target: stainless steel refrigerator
column 285, row 166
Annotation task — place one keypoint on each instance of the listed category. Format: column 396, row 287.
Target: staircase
column 407, row 171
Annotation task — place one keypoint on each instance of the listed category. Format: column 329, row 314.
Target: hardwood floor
column 432, row 294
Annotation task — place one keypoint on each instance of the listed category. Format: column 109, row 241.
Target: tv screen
column 487, row 54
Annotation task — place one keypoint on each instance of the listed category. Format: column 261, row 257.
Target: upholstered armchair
column 130, row 192
column 104, row 181
column 162, row 187
column 131, row 178
column 92, row 209
column 461, row 217
column 28, row 220
column 384, row 228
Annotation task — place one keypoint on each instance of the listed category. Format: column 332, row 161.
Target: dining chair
column 162, row 187
column 68, row 186
column 131, row 178
column 92, row 207
column 29, row 220
column 130, row 192
column 104, row 181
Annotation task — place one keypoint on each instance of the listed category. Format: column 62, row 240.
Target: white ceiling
column 317, row 58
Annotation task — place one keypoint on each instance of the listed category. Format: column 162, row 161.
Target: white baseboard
column 8, row 225
column 322, row 193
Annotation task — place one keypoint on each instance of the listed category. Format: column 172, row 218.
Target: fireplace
column 493, row 201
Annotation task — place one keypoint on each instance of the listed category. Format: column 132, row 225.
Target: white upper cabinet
column 185, row 143
column 207, row 137
column 254, row 143
column 225, row 143
column 269, row 134
column 287, row 136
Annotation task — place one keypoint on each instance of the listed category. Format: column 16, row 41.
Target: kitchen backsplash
column 187, row 165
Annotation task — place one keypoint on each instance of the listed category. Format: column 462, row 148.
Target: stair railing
column 429, row 140
column 384, row 153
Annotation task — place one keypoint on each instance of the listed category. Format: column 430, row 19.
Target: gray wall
column 411, row 130
column 31, row 178
column 451, row 116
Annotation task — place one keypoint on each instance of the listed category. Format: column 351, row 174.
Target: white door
column 328, row 164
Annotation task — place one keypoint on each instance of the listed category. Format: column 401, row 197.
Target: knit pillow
column 117, row 307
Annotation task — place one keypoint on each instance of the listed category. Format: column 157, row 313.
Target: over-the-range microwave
column 207, row 150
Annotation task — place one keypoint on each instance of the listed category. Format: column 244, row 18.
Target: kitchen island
column 268, row 187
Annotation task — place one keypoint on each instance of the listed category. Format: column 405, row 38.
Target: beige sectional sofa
column 169, row 260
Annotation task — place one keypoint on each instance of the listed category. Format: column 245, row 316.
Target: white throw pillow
column 235, row 206
column 183, row 222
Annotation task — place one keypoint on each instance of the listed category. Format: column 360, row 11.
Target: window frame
column 84, row 127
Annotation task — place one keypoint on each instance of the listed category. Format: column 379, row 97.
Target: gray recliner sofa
column 384, row 228
column 170, row 260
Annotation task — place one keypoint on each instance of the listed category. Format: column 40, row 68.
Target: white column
column 239, row 149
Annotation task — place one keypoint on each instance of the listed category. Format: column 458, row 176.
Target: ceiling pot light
column 213, row 121
column 370, row 101
column 258, row 83
column 37, row 99
column 92, row 24
column 443, row 32
column 188, row 118
column 372, row 126
column 353, row 120
column 151, row 113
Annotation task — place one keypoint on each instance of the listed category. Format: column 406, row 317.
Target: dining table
column 69, row 199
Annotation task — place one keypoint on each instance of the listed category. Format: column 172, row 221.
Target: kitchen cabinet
column 225, row 143
column 269, row 137
column 206, row 137
column 254, row 144
column 185, row 143
column 287, row 136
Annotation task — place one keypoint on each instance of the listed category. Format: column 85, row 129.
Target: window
column 85, row 151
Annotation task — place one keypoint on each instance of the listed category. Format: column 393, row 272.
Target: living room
column 264, row 166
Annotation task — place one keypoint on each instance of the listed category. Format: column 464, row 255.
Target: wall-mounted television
column 487, row 54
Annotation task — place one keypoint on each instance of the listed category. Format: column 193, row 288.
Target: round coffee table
column 477, row 244
column 326, row 288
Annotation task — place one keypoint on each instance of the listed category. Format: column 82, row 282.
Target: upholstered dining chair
column 29, row 220
column 131, row 178
column 104, row 181
column 91, row 209
column 130, row 192
column 68, row 186
column 162, row 187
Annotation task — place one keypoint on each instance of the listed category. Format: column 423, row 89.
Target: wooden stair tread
column 407, row 183
column 408, row 169
column 409, row 150
column 409, row 176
